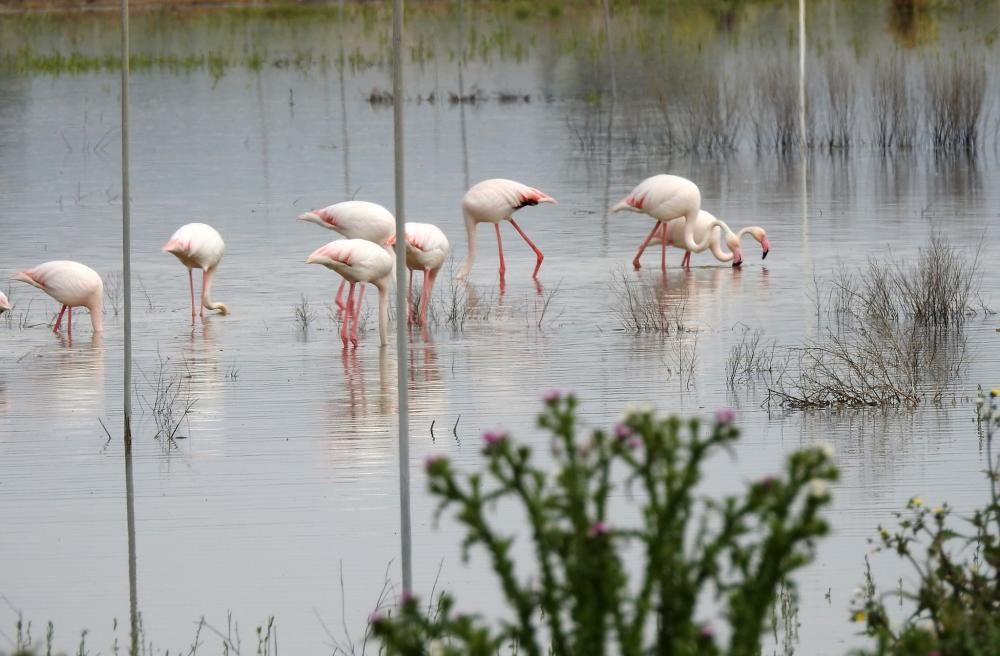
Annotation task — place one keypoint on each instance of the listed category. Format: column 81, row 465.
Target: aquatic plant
column 581, row 598
column 955, row 569
column 642, row 308
column 956, row 93
column 840, row 114
column 304, row 314
column 892, row 106
column 749, row 359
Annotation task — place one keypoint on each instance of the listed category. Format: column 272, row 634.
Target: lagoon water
column 282, row 498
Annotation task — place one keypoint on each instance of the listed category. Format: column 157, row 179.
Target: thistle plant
column 955, row 602
column 579, row 597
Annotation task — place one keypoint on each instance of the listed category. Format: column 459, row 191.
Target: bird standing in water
column 354, row 219
column 426, row 250
column 494, row 201
column 4, row 303
column 707, row 223
column 73, row 285
column 199, row 246
column 359, row 260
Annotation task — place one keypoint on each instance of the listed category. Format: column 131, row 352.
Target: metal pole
column 401, row 308
column 802, row 74
column 127, row 344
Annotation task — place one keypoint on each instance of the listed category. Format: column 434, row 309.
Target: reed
column 894, row 112
column 956, row 93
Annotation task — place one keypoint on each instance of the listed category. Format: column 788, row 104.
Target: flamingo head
column 391, row 241
column 24, row 276
column 4, row 303
column 765, row 245
column 629, row 203
column 321, row 217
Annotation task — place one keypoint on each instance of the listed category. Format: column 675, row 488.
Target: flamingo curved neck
column 383, row 314
column 689, row 242
column 470, row 229
column 206, row 294
column 96, row 317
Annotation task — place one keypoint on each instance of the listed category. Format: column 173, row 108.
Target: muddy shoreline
column 25, row 7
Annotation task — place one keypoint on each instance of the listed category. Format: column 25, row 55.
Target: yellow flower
column 995, row 392
column 859, row 616
column 938, row 511
column 916, row 502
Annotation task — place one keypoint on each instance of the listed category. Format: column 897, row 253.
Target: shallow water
column 287, row 471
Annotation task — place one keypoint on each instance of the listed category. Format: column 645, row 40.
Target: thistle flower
column 858, row 616
column 725, row 416
column 622, row 431
column 633, row 443
column 597, row 528
column 827, row 450
column 706, row 632
column 406, row 599
column 374, row 617
column 818, row 489
column 916, row 502
column 494, row 437
column 552, row 396
column 435, row 648
column 432, row 459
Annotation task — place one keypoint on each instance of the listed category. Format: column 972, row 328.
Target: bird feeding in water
column 73, row 285
column 354, row 219
column 359, row 261
column 706, row 222
column 426, row 250
column 494, row 201
column 199, row 246
column 4, row 303
column 665, row 198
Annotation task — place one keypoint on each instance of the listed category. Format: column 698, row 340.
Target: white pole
column 401, row 308
column 127, row 343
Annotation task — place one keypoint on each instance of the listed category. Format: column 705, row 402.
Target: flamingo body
column 426, row 250
column 4, row 303
column 355, row 219
column 199, row 246
column 494, row 201
column 707, row 225
column 73, row 285
column 665, row 198
column 359, row 261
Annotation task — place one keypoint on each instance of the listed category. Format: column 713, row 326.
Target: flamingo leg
column 347, row 316
column 409, row 300
column 642, row 247
column 538, row 253
column 425, row 295
column 55, row 328
column 69, row 321
column 686, row 262
column 201, row 310
column 191, row 287
column 663, row 246
column 503, row 265
column 339, row 300
column 357, row 316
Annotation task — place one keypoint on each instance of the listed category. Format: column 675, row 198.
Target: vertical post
column 609, row 133
column 127, row 342
column 401, row 337
column 461, row 90
column 802, row 75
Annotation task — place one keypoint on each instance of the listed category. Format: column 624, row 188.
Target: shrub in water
column 580, row 597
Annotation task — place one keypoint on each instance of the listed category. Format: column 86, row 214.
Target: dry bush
column 750, row 359
column 956, row 92
column 840, row 109
column 640, row 308
column 893, row 108
column 713, row 118
column 776, row 116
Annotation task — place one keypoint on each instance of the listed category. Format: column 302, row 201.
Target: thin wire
column 127, row 344
column 401, row 306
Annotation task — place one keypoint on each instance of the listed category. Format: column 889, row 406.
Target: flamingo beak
column 766, row 246
column 391, row 241
column 737, row 259
column 21, row 276
column 310, row 216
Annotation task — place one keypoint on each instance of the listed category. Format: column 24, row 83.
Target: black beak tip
column 764, row 256
column 737, row 265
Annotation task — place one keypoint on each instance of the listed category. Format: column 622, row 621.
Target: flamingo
column 4, row 303
column 494, row 201
column 359, row 260
column 73, row 285
column 354, row 219
column 426, row 250
column 675, row 235
column 666, row 197
column 199, row 246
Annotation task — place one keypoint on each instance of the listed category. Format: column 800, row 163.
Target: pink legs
column 357, row 312
column 503, row 265
column 409, row 301
column 642, row 247
column 538, row 253
column 663, row 247
column 191, row 286
column 425, row 295
column 69, row 321
column 686, row 262
column 344, row 327
column 55, row 328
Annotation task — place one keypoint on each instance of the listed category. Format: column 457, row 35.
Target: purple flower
column 725, row 416
column 493, row 437
column 767, row 482
column 552, row 396
column 622, row 431
column 706, row 632
column 432, row 459
column 633, row 443
column 375, row 617
column 597, row 528
column 406, row 598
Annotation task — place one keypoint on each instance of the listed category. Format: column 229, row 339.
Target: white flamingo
column 426, row 250
column 359, row 260
column 494, row 201
column 4, row 303
column 707, row 223
column 73, row 285
column 354, row 219
column 199, row 246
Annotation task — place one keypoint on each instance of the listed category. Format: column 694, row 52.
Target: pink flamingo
column 494, row 201
column 666, row 197
column 199, row 246
column 426, row 250
column 354, row 219
column 707, row 223
column 73, row 285
column 359, row 260
column 4, row 303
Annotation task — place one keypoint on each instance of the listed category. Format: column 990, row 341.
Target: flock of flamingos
column 370, row 230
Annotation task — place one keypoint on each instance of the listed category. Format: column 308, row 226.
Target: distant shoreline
column 26, row 7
